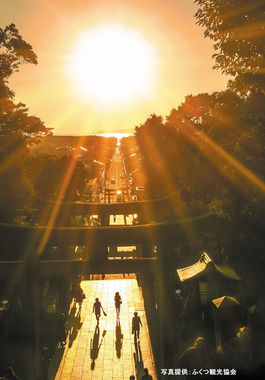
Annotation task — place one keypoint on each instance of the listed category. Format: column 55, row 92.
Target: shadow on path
column 54, row 365
column 138, row 360
column 73, row 325
column 119, row 338
column 95, row 345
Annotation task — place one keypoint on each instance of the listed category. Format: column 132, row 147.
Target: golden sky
column 53, row 27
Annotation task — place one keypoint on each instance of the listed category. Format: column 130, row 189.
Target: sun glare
column 112, row 67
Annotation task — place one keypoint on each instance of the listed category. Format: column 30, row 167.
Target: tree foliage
column 14, row 51
column 206, row 146
column 237, row 28
column 16, row 192
column 18, row 129
column 48, row 174
column 210, row 149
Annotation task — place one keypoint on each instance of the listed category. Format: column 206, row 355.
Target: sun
column 112, row 66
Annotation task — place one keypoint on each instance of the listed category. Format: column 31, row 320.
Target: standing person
column 136, row 322
column 118, row 302
column 132, row 377
column 78, row 295
column 146, row 375
column 97, row 309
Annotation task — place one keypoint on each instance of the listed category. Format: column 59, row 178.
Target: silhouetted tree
column 211, row 149
column 157, row 147
column 17, row 129
column 16, row 190
column 48, row 174
column 237, row 29
column 14, row 51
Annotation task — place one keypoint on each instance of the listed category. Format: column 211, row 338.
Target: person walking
column 118, row 302
column 97, row 309
column 136, row 322
column 146, row 375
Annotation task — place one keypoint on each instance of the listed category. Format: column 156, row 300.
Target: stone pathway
column 108, row 351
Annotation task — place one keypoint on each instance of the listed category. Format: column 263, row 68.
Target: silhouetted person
column 118, row 302
column 146, row 375
column 132, row 377
column 78, row 295
column 136, row 322
column 97, row 309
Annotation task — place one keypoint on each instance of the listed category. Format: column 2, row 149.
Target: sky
column 180, row 64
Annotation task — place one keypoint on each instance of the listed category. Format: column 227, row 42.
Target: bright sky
column 155, row 56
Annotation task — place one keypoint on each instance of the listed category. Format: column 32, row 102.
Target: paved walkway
column 106, row 352
column 116, row 179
